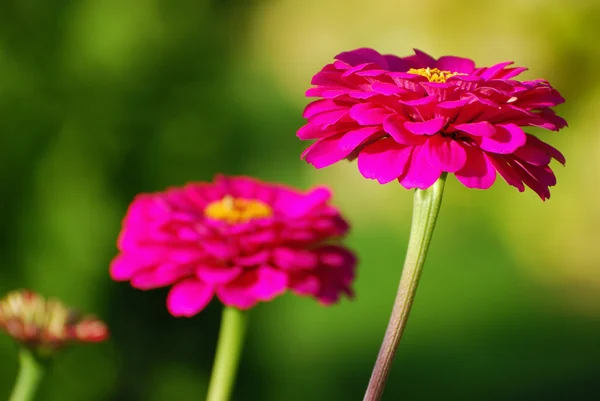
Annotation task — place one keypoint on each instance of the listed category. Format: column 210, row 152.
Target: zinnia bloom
column 46, row 324
column 411, row 119
column 239, row 239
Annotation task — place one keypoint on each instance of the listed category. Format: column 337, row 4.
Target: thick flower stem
column 425, row 210
column 229, row 347
column 31, row 372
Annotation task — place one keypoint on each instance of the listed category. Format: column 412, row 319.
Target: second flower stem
column 229, row 348
column 425, row 210
column 31, row 372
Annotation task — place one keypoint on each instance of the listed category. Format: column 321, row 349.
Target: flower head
column 411, row 119
column 46, row 325
column 239, row 239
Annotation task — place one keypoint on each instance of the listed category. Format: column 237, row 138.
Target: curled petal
column 482, row 128
column 429, row 127
column 507, row 139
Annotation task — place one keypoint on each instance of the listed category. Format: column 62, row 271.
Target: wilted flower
column 413, row 118
column 239, row 239
column 46, row 324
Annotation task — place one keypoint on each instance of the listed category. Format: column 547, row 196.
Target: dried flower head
column 411, row 119
column 237, row 238
column 46, row 325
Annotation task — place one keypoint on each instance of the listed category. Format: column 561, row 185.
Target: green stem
column 425, row 210
column 31, row 372
column 229, row 347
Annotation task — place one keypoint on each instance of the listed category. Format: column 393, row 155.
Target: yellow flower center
column 237, row 210
column 433, row 74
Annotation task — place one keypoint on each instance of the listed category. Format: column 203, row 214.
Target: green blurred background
column 103, row 99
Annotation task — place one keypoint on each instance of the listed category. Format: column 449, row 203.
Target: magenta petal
column 311, row 131
column 329, row 118
column 429, row 127
column 291, row 259
column 384, row 160
column 324, row 152
column 294, row 207
column 445, row 154
column 478, row 172
column 320, row 106
column 161, row 275
column 189, row 297
column 508, row 138
column 490, row 72
column 331, row 150
column 305, row 284
column 257, row 258
column 123, row 267
column 553, row 152
column 455, row 64
column 355, row 138
column 217, row 274
column 271, row 283
column 218, row 249
column 536, row 178
column 368, row 113
column 419, row 174
column 506, row 171
column 424, row 59
column 533, row 155
column 482, row 128
column 396, row 63
column 362, row 55
column 394, row 125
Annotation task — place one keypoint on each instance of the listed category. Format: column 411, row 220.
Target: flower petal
column 123, row 267
column 291, row 259
column 394, row 125
column 445, row 154
column 189, row 297
column 362, row 55
column 160, row 276
column 333, row 149
column 419, row 173
column 506, row 171
column 508, row 138
column 550, row 150
column 429, row 127
column 482, row 128
column 455, row 64
column 368, row 113
column 478, row 172
column 217, row 274
column 271, row 283
column 384, row 160
column 321, row 106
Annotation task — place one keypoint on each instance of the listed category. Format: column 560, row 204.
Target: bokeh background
column 103, row 99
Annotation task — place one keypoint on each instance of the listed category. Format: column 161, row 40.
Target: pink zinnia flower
column 239, row 239
column 413, row 118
